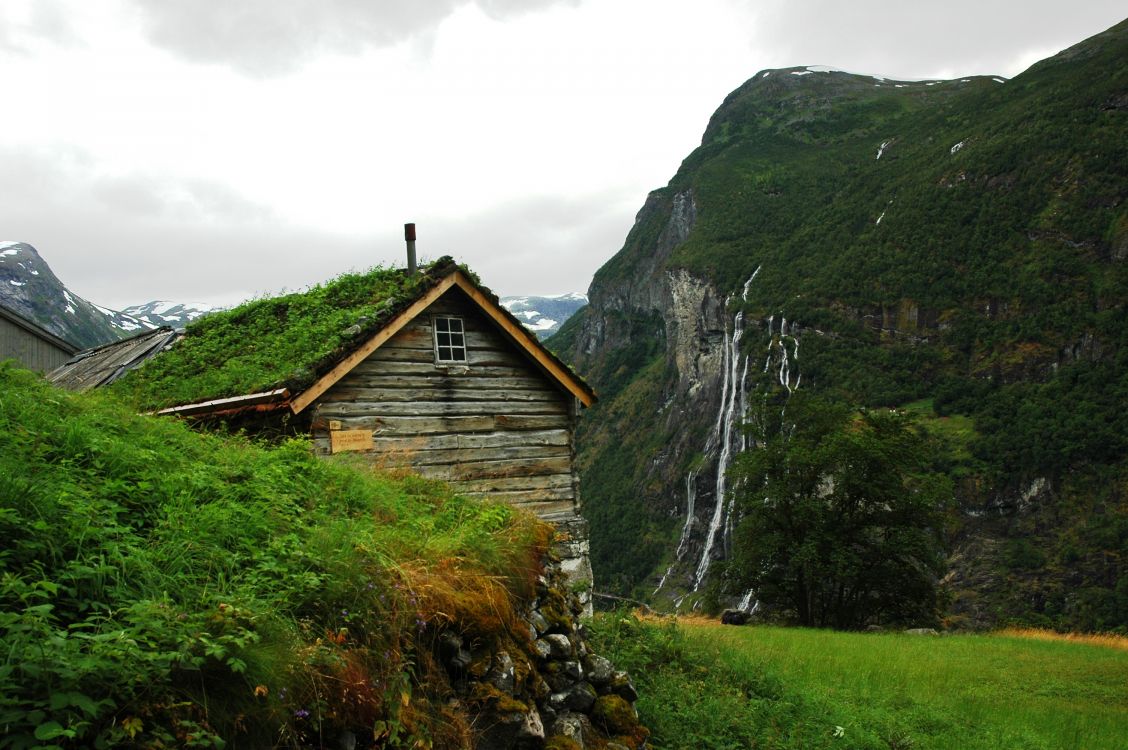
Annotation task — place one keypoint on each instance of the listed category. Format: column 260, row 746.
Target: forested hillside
column 957, row 249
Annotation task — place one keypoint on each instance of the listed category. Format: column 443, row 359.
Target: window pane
column 450, row 340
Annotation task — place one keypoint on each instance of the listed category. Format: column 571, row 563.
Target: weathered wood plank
column 408, row 426
column 421, row 337
column 436, row 379
column 436, row 394
column 406, row 457
column 544, row 508
column 504, row 439
column 489, row 358
column 501, row 484
column 383, row 367
column 518, row 497
column 333, row 409
column 532, row 470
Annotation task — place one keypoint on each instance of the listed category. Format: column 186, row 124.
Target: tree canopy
column 840, row 518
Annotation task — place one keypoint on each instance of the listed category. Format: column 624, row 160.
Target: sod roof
column 296, row 341
column 279, row 342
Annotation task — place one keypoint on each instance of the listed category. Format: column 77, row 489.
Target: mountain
column 165, row 313
column 954, row 248
column 31, row 289
column 544, row 315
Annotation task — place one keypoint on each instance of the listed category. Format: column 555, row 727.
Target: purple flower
column 344, row 613
column 301, row 713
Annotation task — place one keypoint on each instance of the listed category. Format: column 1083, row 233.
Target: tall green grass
column 706, row 686
column 163, row 587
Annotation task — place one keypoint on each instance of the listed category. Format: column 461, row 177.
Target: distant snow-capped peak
column 162, row 312
column 545, row 314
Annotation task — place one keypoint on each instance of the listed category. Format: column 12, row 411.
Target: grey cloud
column 152, row 198
column 135, row 238
column 48, row 22
column 271, row 37
column 539, row 245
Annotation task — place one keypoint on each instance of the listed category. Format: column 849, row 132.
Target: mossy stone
column 560, row 742
column 484, row 693
column 617, row 717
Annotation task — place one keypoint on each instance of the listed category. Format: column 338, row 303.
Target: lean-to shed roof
column 104, row 364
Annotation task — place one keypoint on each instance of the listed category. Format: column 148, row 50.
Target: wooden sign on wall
column 350, row 440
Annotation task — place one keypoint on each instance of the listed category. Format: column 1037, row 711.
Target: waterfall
column 683, row 543
column 748, row 602
column 744, row 292
column 726, row 440
column 742, row 443
column 734, row 400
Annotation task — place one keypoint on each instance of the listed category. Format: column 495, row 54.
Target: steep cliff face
column 949, row 247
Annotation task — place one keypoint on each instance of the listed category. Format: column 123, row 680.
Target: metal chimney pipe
column 409, row 237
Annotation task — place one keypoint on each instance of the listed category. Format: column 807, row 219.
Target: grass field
column 708, row 686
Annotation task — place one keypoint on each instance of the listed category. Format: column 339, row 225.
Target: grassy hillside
column 160, row 587
column 961, row 244
column 708, row 686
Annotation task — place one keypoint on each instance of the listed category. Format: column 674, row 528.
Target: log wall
column 495, row 426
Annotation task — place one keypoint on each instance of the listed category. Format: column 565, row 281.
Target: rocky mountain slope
column 957, row 248
column 544, row 315
column 29, row 288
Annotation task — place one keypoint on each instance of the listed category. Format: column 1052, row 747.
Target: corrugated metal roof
column 105, row 364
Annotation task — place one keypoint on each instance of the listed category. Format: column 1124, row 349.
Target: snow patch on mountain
column 163, row 312
column 544, row 315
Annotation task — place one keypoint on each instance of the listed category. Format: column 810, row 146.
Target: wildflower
column 301, row 713
column 344, row 613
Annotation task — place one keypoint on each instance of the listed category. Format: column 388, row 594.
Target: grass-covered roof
column 278, row 342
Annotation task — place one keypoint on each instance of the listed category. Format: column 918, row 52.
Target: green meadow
column 708, row 686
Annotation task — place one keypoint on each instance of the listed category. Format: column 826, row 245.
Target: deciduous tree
column 840, row 517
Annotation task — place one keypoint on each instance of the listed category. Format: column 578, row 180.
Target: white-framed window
column 450, row 340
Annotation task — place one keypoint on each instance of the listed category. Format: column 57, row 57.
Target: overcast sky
column 212, row 150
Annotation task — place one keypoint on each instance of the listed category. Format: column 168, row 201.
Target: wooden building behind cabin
column 31, row 345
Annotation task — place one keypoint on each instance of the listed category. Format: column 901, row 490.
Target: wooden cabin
column 33, row 346
column 444, row 382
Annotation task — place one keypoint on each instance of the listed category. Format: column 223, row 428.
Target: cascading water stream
column 729, row 401
column 683, row 543
column 733, row 396
column 726, row 440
